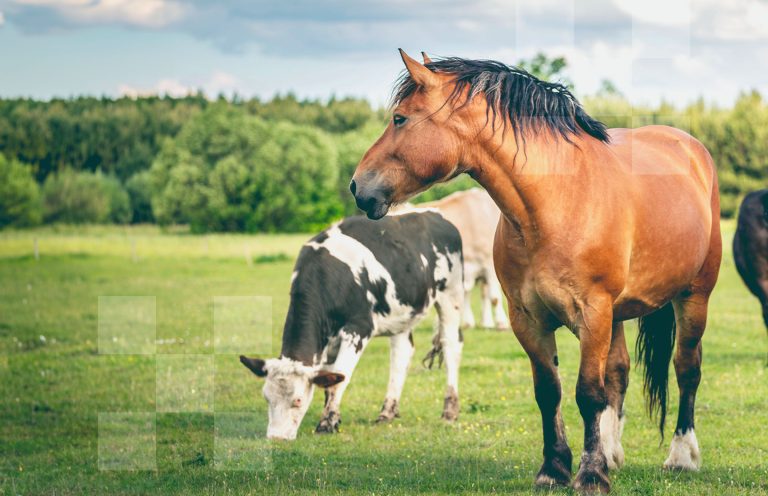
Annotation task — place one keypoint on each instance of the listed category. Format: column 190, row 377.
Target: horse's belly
column 660, row 271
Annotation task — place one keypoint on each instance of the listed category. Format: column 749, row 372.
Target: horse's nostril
column 352, row 186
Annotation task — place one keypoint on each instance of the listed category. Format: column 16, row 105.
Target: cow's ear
column 256, row 365
column 326, row 379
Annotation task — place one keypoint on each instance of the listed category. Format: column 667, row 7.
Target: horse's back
column 664, row 151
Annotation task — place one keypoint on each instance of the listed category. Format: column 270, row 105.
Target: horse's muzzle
column 374, row 202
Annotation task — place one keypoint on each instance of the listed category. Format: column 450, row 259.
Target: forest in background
column 282, row 165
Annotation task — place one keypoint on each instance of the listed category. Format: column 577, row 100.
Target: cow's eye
column 399, row 120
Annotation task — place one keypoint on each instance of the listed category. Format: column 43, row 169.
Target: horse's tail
column 654, row 346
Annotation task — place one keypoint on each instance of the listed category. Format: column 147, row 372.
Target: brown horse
column 599, row 226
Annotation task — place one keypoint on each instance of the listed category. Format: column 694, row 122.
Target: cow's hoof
column 389, row 411
column 329, row 424
column 450, row 407
column 592, row 477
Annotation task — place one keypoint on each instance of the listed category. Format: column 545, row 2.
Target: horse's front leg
column 541, row 348
column 593, row 325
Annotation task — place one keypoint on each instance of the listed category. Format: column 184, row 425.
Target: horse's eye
column 399, row 120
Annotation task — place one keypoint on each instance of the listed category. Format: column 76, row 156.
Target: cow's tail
column 654, row 346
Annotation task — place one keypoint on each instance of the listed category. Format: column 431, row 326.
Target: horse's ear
column 327, row 379
column 255, row 365
column 426, row 58
column 419, row 73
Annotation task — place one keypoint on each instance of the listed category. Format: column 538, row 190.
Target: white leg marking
column 684, row 452
column 610, row 437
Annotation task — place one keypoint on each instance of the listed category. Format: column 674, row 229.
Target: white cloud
column 660, row 12
column 170, row 87
column 2, row 19
column 221, row 82
column 735, row 20
column 217, row 83
column 140, row 13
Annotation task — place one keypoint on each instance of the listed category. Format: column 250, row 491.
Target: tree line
column 267, row 166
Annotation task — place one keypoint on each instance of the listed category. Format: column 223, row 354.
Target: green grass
column 55, row 386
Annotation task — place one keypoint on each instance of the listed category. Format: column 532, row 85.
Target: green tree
column 230, row 171
column 139, row 188
column 546, row 68
column 19, row 195
column 84, row 197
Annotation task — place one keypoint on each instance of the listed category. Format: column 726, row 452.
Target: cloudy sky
column 675, row 49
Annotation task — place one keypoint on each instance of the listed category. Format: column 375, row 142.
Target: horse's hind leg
column 616, row 382
column 691, row 318
column 400, row 353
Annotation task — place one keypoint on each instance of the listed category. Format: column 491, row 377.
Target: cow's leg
column 593, row 325
column 494, row 291
column 616, row 382
column 350, row 351
column 468, row 318
column 487, row 308
column 400, row 353
column 448, row 306
column 690, row 318
column 541, row 348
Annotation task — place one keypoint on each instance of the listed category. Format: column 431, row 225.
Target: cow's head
column 288, row 389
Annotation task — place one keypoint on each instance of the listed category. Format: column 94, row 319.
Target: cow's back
column 409, row 246
column 475, row 215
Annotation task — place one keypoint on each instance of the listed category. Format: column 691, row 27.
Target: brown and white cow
column 475, row 215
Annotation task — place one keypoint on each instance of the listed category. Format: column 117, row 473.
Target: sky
column 677, row 50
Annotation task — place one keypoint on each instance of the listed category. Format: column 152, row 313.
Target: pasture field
column 182, row 416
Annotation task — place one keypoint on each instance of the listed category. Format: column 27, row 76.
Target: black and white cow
column 356, row 280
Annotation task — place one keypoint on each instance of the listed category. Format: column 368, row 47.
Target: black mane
column 530, row 103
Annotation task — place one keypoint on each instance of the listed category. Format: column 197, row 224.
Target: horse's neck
column 527, row 185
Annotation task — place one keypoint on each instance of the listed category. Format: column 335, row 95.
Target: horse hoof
column 592, row 477
column 684, row 453
column 592, row 487
column 592, row 482
column 544, row 481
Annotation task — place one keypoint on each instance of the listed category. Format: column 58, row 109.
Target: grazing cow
column 475, row 215
column 750, row 246
column 354, row 281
